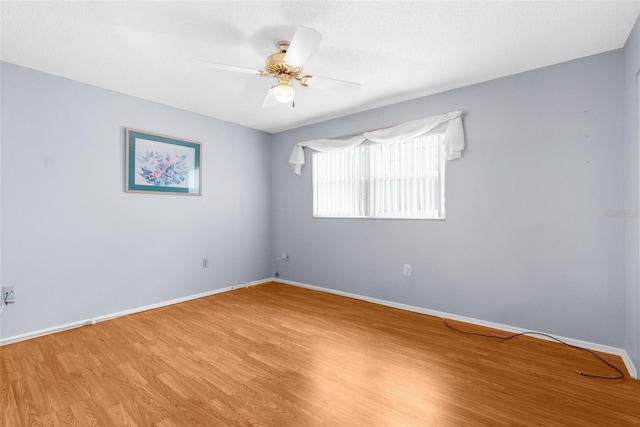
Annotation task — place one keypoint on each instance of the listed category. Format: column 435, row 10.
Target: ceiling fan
column 286, row 67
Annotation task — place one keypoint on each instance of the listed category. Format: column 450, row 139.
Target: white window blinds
column 404, row 179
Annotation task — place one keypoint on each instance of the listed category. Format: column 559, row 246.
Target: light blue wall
column 76, row 246
column 533, row 236
column 632, row 291
column 537, row 234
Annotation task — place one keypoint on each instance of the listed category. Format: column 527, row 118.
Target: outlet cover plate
column 407, row 269
column 11, row 291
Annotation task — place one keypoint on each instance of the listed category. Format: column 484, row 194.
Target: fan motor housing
column 274, row 64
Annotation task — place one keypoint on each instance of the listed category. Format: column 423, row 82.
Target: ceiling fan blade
column 305, row 41
column 325, row 83
column 230, row 67
column 270, row 100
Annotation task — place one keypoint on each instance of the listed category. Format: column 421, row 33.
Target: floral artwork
column 163, row 167
column 158, row 163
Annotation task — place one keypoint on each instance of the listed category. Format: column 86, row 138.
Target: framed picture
column 162, row 164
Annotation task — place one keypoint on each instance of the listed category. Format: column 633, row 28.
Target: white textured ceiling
column 397, row 50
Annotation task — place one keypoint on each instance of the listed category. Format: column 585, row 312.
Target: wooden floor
column 276, row 355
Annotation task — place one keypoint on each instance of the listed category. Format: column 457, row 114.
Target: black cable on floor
column 618, row 377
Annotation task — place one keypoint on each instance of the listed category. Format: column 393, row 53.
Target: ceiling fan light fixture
column 283, row 92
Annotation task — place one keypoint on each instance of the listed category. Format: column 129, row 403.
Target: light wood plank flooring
column 276, row 355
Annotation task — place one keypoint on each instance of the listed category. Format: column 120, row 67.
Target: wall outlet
column 205, row 263
column 285, row 256
column 407, row 269
column 8, row 294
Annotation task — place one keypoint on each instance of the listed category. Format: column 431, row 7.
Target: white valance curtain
column 450, row 123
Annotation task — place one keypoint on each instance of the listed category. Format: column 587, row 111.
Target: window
column 399, row 180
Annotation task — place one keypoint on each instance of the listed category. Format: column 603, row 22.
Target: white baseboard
column 578, row 343
column 94, row 320
column 633, row 372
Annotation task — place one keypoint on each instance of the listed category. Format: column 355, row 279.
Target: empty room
column 311, row 213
